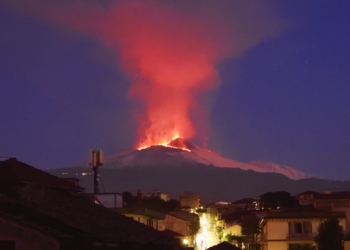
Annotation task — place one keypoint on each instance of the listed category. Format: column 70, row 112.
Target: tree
column 250, row 229
column 194, row 226
column 275, row 200
column 219, row 232
column 330, row 235
column 230, row 238
column 127, row 198
column 173, row 205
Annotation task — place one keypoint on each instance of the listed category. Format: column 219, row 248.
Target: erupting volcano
column 168, row 50
column 179, row 143
column 182, row 153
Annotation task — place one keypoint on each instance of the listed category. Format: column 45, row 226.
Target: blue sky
column 285, row 100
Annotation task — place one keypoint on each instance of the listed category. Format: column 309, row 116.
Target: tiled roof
column 172, row 233
column 185, row 215
column 302, row 212
column 14, row 171
column 335, row 195
column 327, row 196
column 307, row 192
column 66, row 215
column 244, row 201
column 27, row 215
column 140, row 210
column 63, row 215
column 224, row 246
column 238, row 215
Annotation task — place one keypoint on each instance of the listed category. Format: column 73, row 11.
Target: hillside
column 212, row 183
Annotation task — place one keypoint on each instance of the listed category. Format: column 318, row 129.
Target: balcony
column 261, row 237
column 301, row 236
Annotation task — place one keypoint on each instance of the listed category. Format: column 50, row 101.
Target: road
column 207, row 236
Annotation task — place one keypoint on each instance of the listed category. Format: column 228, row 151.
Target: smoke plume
column 169, row 49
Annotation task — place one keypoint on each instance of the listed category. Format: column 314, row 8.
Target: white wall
column 110, row 200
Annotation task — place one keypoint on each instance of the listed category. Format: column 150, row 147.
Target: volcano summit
column 183, row 153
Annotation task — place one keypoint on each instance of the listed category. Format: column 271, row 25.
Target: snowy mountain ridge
column 173, row 156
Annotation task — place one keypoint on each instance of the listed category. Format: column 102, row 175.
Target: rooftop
column 302, row 212
column 61, row 214
column 13, row 171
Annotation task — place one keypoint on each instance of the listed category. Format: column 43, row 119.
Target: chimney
column 139, row 197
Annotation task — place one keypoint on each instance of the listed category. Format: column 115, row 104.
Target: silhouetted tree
column 154, row 202
column 330, row 235
column 128, row 198
column 250, row 230
column 194, row 226
column 274, row 200
column 173, row 205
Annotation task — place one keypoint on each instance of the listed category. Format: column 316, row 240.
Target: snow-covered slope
column 174, row 156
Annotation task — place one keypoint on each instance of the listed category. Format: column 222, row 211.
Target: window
column 300, row 227
column 150, row 222
column 298, row 246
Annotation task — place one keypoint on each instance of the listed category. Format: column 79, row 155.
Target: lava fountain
column 178, row 143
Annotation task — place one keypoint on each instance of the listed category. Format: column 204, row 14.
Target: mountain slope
column 183, row 153
column 210, row 182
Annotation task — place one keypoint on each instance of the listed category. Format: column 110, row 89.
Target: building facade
column 292, row 229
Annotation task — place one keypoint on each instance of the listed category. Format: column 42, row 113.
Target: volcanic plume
column 169, row 49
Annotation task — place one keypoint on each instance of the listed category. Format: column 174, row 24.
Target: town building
column 232, row 223
column 39, row 211
column 143, row 215
column 108, row 200
column 331, row 201
column 290, row 229
column 190, row 200
column 158, row 194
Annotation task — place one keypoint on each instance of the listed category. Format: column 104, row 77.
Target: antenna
column 96, row 160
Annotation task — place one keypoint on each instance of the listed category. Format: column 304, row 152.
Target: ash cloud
column 168, row 49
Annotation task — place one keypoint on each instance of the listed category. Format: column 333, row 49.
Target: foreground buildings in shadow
column 39, row 211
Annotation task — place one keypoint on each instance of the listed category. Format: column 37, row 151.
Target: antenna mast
column 96, row 161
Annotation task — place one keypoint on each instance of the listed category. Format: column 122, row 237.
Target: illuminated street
column 207, row 236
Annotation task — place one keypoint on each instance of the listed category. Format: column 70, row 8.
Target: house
column 108, row 200
column 224, row 246
column 189, row 200
column 306, row 198
column 292, row 228
column 177, row 227
column 158, row 194
column 244, row 204
column 174, row 224
column 193, row 222
column 143, row 215
column 232, row 222
column 39, row 211
column 332, row 201
column 179, row 224
column 20, row 176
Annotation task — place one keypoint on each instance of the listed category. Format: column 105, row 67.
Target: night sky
column 284, row 99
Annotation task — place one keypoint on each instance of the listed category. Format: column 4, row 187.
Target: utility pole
column 96, row 161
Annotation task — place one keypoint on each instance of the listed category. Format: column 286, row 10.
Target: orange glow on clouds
column 167, row 48
column 171, row 60
column 169, row 56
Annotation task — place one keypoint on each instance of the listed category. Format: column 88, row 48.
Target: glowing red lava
column 178, row 143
